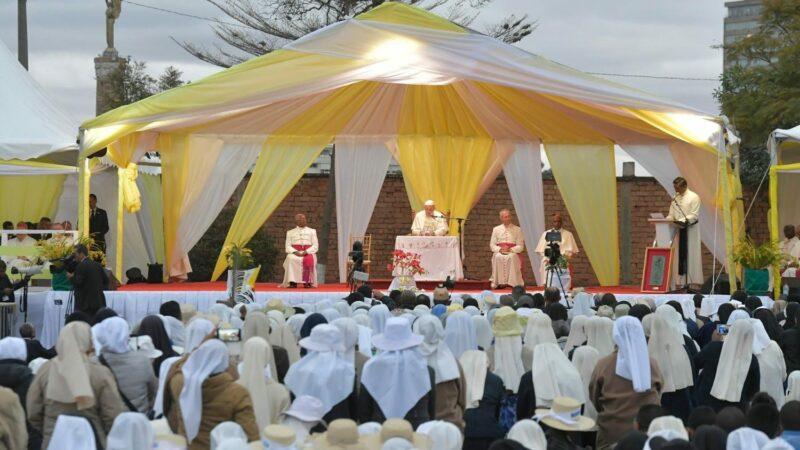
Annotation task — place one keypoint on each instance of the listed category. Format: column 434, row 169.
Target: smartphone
column 722, row 330
column 229, row 335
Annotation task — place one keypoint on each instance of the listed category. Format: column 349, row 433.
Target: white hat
column 306, row 408
column 324, row 338
column 396, row 335
column 144, row 344
column 565, row 415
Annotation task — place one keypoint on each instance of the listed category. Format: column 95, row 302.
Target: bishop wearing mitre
column 429, row 222
column 567, row 245
column 300, row 265
column 507, row 245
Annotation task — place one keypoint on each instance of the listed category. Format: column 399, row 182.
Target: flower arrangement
column 752, row 256
column 58, row 248
column 238, row 257
column 409, row 263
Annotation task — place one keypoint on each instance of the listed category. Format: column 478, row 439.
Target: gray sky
column 666, row 38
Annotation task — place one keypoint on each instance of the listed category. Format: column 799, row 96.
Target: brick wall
column 392, row 217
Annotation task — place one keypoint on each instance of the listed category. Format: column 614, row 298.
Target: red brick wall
column 392, row 216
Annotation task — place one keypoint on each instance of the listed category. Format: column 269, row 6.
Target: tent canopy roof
column 31, row 125
column 399, row 70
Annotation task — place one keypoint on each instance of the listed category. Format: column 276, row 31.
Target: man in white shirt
column 567, row 245
column 507, row 244
column 684, row 211
column 20, row 240
column 429, row 222
column 790, row 247
column 301, row 259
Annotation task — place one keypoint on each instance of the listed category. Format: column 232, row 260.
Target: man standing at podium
column 429, row 222
column 507, row 244
column 684, row 212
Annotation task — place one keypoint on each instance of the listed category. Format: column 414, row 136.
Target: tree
column 171, row 78
column 261, row 26
column 130, row 83
column 762, row 91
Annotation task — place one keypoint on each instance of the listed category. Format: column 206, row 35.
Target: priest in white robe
column 507, row 245
column 684, row 211
column 790, row 247
column 568, row 247
column 429, row 222
column 300, row 265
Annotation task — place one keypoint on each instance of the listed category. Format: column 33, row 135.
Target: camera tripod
column 553, row 271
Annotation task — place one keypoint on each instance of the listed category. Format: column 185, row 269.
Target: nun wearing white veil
column 666, row 345
column 552, row 376
column 624, row 381
column 577, row 335
column 599, row 334
column 771, row 364
column 539, row 330
column 484, row 394
column 258, row 375
column 507, row 349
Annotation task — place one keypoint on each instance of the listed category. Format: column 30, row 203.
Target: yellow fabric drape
column 174, row 174
column 29, row 197
column 690, row 128
column 586, row 178
column 280, row 165
column 121, row 153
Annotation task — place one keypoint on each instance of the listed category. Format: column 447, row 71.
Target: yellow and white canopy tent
column 453, row 107
column 784, row 182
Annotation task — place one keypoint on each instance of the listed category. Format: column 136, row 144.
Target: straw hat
column 145, row 345
column 397, row 428
column 277, row 304
column 441, row 294
column 396, row 335
column 506, row 322
column 279, row 434
column 342, row 434
column 564, row 411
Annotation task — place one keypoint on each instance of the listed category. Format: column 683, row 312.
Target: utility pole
column 22, row 32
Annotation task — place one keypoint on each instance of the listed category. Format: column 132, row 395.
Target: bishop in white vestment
column 790, row 247
column 429, row 222
column 300, row 265
column 507, row 244
column 567, row 245
column 684, row 210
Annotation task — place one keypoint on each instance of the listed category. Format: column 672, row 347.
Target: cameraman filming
column 88, row 279
column 7, row 287
column 567, row 245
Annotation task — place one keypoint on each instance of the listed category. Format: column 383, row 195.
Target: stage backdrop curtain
column 523, row 176
column 29, row 197
column 586, row 178
column 280, row 165
column 151, row 217
column 361, row 166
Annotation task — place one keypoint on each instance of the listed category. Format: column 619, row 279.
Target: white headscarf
column 734, row 362
column 235, row 443
column 433, row 347
column 771, row 363
column 483, row 332
column 585, row 358
column 472, row 310
column 668, row 423
column 746, row 438
column 163, row 371
column 208, row 359
column 378, row 314
column 324, row 372
column 793, row 386
column 196, row 331
column 175, row 330
column 13, row 348
column 72, row 432
column 397, row 443
column 633, row 361
column 577, row 333
column 330, row 314
column 68, row 377
column 295, row 323
column 281, row 335
column 539, row 331
column 737, row 314
column 255, row 324
column 599, row 334
column 475, row 364
column 223, row 312
column 554, row 376
column 459, row 333
column 666, row 347
column 257, row 355
column 131, row 431
column 112, row 335
column 343, row 308
column 396, row 379
column 350, row 332
column 226, row 430
column 582, row 305
column 443, row 435
column 508, row 349
column 529, row 434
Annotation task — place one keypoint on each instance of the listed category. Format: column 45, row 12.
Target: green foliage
column 130, row 83
column 171, row 78
column 204, row 255
column 752, row 256
column 762, row 92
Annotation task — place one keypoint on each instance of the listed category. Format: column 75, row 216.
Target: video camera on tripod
column 553, row 247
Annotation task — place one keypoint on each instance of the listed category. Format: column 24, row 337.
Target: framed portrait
column 656, row 273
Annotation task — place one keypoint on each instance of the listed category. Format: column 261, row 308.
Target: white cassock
column 790, row 248
column 426, row 226
column 567, row 245
column 507, row 269
column 14, row 261
column 300, row 269
column 687, row 207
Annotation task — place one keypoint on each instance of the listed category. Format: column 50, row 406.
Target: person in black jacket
column 789, row 341
column 98, row 223
column 88, row 281
column 15, row 375
column 7, row 287
column 34, row 347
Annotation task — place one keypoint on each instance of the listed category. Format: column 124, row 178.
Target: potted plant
column 757, row 262
column 405, row 265
column 57, row 251
column 240, row 259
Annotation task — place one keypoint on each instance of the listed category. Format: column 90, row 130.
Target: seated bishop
column 300, row 265
column 429, row 222
column 507, row 245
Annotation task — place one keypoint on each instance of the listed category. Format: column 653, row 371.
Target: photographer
column 7, row 287
column 567, row 247
column 88, row 278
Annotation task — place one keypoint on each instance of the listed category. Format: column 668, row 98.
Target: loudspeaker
column 155, row 273
column 723, row 285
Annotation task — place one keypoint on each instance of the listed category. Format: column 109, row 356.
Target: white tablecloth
column 438, row 254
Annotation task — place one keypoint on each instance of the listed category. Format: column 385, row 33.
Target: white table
column 439, row 256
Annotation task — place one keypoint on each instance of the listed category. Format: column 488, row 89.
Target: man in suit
column 98, row 223
column 88, row 280
column 34, row 347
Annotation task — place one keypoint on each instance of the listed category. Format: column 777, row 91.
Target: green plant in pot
column 756, row 261
column 239, row 258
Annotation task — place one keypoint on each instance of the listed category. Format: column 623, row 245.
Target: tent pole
column 120, row 224
column 773, row 219
column 83, row 184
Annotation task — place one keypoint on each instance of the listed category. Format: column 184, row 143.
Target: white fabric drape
column 523, row 176
column 360, row 168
